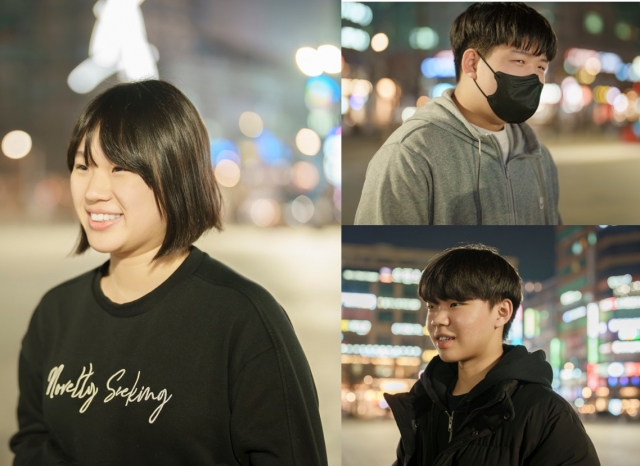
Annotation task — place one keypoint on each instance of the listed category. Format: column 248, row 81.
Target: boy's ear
column 469, row 63
column 505, row 311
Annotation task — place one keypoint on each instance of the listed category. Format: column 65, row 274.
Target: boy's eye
column 119, row 169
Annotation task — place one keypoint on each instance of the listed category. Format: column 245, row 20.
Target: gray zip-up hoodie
column 438, row 169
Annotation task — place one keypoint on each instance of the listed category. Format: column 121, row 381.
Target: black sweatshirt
column 204, row 370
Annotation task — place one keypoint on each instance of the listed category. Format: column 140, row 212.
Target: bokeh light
column 408, row 112
column 358, row 13
column 272, row 150
column 332, row 163
column 302, row 209
column 379, row 42
column 16, row 144
column 593, row 23
column 308, row 142
column 423, row 38
column 386, row 88
column 356, row 39
column 227, row 173
column 330, row 59
column 309, row 61
column 265, row 212
column 251, row 124
column 321, row 121
column 305, row 176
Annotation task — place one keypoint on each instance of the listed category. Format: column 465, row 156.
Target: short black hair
column 472, row 271
column 152, row 129
column 484, row 26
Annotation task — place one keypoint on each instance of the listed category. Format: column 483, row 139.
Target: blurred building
column 593, row 304
column 385, row 342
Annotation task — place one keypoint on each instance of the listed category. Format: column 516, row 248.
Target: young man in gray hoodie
column 467, row 157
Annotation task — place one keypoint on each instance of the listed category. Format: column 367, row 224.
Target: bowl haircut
column 152, row 129
column 469, row 272
column 484, row 26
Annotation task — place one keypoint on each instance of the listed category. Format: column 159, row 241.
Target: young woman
column 163, row 355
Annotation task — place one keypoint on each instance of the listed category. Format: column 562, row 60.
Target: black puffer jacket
column 511, row 418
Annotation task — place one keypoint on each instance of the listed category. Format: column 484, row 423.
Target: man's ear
column 469, row 63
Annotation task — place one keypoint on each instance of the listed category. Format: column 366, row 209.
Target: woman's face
column 116, row 208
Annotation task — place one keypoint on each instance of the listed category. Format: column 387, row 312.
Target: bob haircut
column 468, row 272
column 484, row 26
column 150, row 128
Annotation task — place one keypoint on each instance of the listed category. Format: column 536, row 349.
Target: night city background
column 397, row 56
column 581, row 307
column 265, row 78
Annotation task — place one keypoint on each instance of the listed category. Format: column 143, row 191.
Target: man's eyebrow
column 529, row 54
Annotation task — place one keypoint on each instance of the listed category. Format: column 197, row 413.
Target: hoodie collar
column 516, row 363
column 524, row 139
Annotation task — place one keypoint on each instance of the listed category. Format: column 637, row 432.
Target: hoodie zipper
column 450, row 424
column 511, row 200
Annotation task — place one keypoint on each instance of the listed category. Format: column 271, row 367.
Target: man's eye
column 119, row 169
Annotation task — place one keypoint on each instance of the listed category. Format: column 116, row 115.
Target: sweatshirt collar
column 151, row 299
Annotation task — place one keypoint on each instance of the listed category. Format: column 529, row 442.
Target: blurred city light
column 356, row 39
column 379, row 42
column 302, row 209
column 251, row 124
column 357, row 13
column 386, row 88
column 593, row 22
column 265, row 212
column 16, row 144
column 308, row 142
column 332, row 149
column 330, row 58
column 423, row 38
column 227, row 173
column 309, row 61
column 305, row 176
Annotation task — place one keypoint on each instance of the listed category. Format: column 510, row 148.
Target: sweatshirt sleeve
column 564, row 442
column 275, row 419
column 397, row 189
column 33, row 444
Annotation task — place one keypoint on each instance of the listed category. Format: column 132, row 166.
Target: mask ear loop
column 475, row 81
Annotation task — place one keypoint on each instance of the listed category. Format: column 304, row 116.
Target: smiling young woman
column 162, row 355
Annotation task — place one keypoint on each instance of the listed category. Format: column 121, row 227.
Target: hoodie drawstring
column 479, row 179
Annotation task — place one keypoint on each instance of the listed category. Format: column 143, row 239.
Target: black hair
column 473, row 271
column 152, row 129
column 484, row 26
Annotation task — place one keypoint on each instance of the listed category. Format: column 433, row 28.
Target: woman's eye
column 80, row 167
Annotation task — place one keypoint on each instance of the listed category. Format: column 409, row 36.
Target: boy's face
column 510, row 60
column 475, row 329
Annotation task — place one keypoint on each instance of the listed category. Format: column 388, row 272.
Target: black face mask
column 517, row 97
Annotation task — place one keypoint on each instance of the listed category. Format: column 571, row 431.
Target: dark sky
column 532, row 245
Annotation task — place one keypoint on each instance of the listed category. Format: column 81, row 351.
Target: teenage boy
column 481, row 402
column 467, row 157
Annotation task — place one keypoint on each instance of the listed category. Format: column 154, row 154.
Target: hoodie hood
column 516, row 363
